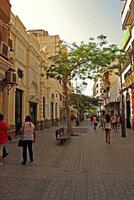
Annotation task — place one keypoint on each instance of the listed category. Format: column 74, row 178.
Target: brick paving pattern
column 84, row 168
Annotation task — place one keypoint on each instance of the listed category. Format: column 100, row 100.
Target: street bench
column 61, row 135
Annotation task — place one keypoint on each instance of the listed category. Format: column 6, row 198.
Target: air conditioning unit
column 10, row 77
column 4, row 49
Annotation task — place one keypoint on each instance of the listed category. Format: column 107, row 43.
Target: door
column 128, row 110
column 128, row 114
column 18, row 110
column 33, row 112
column 44, row 108
column 52, row 113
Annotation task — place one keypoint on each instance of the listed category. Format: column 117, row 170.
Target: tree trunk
column 69, row 124
column 81, row 115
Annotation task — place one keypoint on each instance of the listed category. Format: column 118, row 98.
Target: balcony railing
column 129, row 80
column 125, row 13
column 128, row 73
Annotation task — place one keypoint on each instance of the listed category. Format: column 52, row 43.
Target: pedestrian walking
column 95, row 122
column 28, row 137
column 118, row 122
column 91, row 119
column 77, row 121
column 114, row 123
column 101, row 121
column 5, row 152
column 5, row 149
column 3, row 136
column 108, row 128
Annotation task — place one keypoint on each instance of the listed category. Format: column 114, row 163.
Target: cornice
column 34, row 51
column 17, row 61
column 26, row 41
column 22, row 37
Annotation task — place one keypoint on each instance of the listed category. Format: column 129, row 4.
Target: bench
column 61, row 135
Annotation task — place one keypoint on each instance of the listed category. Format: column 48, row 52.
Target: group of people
column 107, row 123
column 111, row 123
column 28, row 135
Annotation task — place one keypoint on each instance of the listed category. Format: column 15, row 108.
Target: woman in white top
column 108, row 128
column 28, row 135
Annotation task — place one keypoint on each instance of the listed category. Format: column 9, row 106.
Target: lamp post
column 123, row 124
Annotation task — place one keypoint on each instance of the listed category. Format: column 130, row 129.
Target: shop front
column 132, row 93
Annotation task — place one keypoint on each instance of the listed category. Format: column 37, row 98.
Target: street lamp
column 123, row 126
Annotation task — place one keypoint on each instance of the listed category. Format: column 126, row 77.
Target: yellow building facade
column 53, row 89
column 7, row 76
column 34, row 94
column 25, row 97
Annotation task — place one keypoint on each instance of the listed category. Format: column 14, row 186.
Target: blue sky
column 73, row 20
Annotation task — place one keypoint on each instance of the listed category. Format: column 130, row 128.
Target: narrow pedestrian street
column 85, row 167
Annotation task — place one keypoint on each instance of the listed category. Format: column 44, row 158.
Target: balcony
column 126, row 14
column 5, row 11
column 129, row 80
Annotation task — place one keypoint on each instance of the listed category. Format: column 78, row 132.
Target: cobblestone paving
column 84, row 168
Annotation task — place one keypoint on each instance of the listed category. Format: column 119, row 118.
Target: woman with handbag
column 28, row 137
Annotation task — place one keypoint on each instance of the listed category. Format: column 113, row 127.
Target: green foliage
column 86, row 60
column 83, row 102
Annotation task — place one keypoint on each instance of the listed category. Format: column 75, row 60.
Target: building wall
column 33, row 91
column 5, row 63
column 128, row 68
column 53, row 88
column 27, row 59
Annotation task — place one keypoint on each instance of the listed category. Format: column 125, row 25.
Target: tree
column 86, row 60
column 84, row 103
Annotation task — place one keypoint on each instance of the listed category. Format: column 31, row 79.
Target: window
column 20, row 73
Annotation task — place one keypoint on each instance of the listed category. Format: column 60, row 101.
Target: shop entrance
column 128, row 111
column 52, row 113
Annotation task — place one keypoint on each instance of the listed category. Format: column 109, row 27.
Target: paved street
column 84, row 168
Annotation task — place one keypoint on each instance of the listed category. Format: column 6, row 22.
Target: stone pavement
column 84, row 168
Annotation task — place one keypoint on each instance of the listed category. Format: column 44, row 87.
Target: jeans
column 27, row 143
column 1, row 151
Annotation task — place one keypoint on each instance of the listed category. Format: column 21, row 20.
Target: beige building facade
column 53, row 92
column 107, row 88
column 7, row 75
column 24, row 87
column 25, row 97
column 34, row 94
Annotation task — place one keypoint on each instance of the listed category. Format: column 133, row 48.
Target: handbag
column 20, row 142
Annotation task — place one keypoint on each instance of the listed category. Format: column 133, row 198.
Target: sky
column 73, row 20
